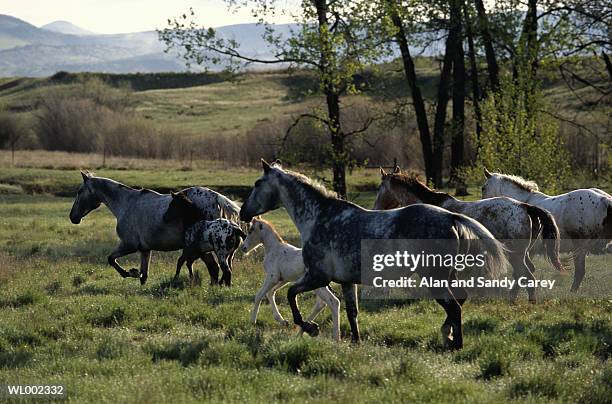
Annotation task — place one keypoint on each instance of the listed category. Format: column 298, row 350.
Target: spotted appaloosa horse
column 332, row 230
column 584, row 216
column 282, row 264
column 219, row 236
column 140, row 224
column 515, row 223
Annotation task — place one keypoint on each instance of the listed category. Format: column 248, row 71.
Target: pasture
column 67, row 317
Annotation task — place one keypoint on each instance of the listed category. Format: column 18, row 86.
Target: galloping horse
column 332, row 230
column 583, row 215
column 516, row 223
column 140, row 224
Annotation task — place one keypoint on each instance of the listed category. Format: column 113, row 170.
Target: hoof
column 311, row 329
column 134, row 273
column 143, row 280
column 284, row 323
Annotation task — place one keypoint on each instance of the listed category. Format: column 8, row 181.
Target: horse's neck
column 270, row 239
column 433, row 198
column 300, row 205
column 454, row 205
column 532, row 197
column 113, row 195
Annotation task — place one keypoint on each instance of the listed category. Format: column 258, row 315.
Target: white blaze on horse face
column 253, row 239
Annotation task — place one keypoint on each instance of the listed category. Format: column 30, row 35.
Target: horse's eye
column 257, row 183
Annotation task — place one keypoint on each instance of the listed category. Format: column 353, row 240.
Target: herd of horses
column 509, row 219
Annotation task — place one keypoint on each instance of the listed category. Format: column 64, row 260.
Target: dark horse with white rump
column 332, row 229
column 140, row 224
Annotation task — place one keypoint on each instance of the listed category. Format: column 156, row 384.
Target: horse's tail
column 229, row 209
column 550, row 233
column 607, row 223
column 496, row 262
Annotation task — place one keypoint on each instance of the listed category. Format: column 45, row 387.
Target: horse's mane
column 529, row 186
column 121, row 185
column 413, row 183
column 308, row 182
column 271, row 227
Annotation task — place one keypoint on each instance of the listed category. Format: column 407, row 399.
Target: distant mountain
column 26, row 50
column 65, row 27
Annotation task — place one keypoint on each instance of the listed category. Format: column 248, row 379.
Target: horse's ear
column 277, row 162
column 383, row 173
column 397, row 169
column 85, row 175
column 487, row 173
column 265, row 165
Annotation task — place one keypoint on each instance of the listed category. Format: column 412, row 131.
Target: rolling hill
column 26, row 50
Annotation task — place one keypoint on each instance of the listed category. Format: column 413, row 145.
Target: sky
column 121, row 16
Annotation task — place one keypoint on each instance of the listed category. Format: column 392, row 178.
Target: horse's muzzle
column 75, row 220
column 245, row 217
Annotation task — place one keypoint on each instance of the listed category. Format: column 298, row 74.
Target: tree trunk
column 530, row 32
column 440, row 119
column 473, row 76
column 337, row 138
column 483, row 25
column 415, row 92
column 332, row 98
column 457, row 142
column 606, row 59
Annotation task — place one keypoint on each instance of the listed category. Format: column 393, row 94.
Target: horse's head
column 396, row 189
column 385, row 198
column 86, row 199
column 254, row 237
column 491, row 186
column 264, row 196
column 180, row 207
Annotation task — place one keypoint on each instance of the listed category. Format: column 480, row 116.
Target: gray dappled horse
column 140, row 224
column 516, row 223
column 331, row 230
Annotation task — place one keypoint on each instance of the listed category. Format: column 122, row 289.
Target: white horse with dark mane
column 584, row 216
column 282, row 264
column 140, row 224
column 332, row 230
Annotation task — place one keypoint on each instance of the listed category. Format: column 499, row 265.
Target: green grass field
column 68, row 318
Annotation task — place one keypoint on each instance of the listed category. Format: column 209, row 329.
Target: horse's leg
column 521, row 269
column 306, row 283
column 145, row 260
column 326, row 297
column 268, row 284
column 225, row 268
column 212, row 266
column 452, row 324
column 272, row 299
column 350, row 299
column 318, row 307
column 120, row 251
column 532, row 269
column 179, row 265
column 460, row 295
column 579, row 265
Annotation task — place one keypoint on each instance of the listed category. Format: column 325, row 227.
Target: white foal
column 283, row 264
